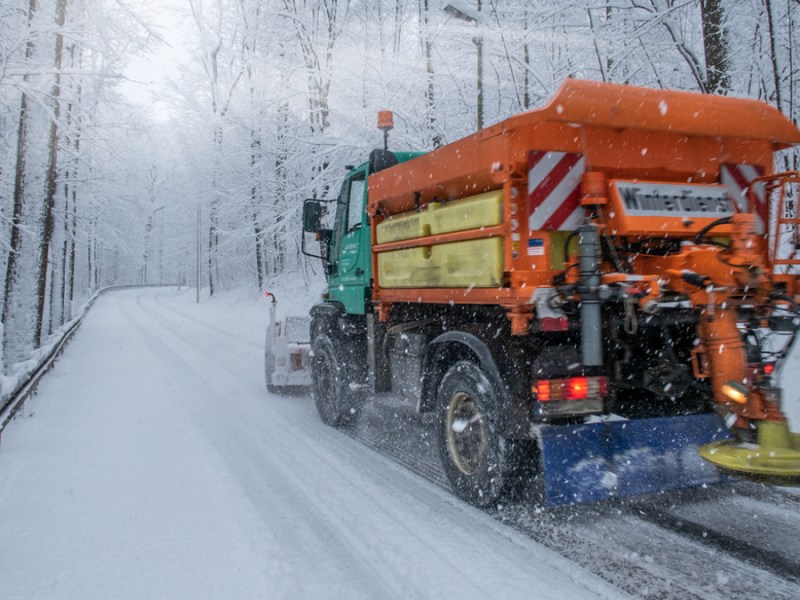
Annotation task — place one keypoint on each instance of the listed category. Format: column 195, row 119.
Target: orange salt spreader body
column 656, row 170
column 621, row 268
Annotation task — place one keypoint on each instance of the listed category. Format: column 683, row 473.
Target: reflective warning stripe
column 554, row 181
column 737, row 178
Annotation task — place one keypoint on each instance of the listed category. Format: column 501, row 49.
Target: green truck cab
column 345, row 249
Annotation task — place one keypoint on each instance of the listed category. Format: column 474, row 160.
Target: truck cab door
column 352, row 273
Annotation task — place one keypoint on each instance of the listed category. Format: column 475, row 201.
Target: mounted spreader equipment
column 597, row 293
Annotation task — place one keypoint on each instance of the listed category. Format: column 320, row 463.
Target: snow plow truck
column 597, row 293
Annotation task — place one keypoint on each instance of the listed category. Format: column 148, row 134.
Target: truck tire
column 482, row 466
column 336, row 403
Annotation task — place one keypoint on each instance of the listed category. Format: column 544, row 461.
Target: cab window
column 355, row 205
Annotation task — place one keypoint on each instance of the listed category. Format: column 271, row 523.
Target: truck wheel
column 479, row 462
column 336, row 403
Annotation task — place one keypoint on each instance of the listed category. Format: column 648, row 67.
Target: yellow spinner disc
column 776, row 457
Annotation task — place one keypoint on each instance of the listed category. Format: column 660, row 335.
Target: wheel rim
column 466, row 433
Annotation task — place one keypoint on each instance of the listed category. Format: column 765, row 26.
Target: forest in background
column 273, row 98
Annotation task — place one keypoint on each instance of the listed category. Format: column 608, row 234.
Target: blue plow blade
column 598, row 461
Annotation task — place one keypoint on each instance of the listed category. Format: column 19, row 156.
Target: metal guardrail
column 12, row 403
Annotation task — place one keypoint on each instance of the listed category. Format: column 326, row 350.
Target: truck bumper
column 598, row 461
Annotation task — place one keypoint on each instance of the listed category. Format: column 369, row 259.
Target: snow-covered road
column 154, row 464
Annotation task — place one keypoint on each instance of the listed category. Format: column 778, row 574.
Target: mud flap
column 598, row 461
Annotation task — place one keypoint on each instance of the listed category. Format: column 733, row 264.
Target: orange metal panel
column 623, row 132
column 624, row 129
column 688, row 113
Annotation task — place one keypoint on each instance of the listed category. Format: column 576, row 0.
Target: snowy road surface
column 154, row 464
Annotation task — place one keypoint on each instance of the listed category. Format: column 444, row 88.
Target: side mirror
column 312, row 215
column 313, row 211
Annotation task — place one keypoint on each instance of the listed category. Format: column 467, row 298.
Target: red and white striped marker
column 737, row 178
column 554, row 190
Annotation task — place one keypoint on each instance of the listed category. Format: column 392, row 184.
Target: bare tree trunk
column 96, row 273
column 15, row 241
column 62, row 292
column 71, row 196
column 48, row 208
column 258, row 230
column 526, row 99
column 53, row 316
column 665, row 17
column 89, row 261
column 259, row 237
column 212, row 239
column 600, row 64
column 153, row 200
column 148, row 228
column 255, row 199
column 398, row 27
column 58, row 303
column 430, row 92
column 790, row 8
column 12, row 279
column 318, row 24
column 72, row 255
column 510, row 56
column 91, row 257
column 317, row 40
column 256, row 154
column 773, row 55
column 715, row 45
column 220, row 101
column 272, row 245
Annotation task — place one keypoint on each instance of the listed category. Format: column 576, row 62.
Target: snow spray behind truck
column 597, row 293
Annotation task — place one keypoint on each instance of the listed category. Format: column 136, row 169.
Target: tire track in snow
column 329, row 463
column 191, row 335
column 550, row 529
column 338, row 554
column 630, row 567
column 357, row 452
column 758, row 556
column 158, row 299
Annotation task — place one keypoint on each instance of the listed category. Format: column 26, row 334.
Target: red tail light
column 574, row 388
column 577, row 388
column 542, row 390
column 769, row 368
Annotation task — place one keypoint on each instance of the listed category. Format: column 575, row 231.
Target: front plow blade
column 598, row 461
column 775, row 459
